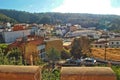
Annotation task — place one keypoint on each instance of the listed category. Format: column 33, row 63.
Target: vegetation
column 80, row 47
column 65, row 54
column 13, row 57
column 76, row 50
column 51, row 75
column 10, row 57
column 110, row 22
column 116, row 69
column 55, row 74
column 6, row 18
column 53, row 55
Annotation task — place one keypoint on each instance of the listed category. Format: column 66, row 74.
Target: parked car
column 72, row 62
column 89, row 62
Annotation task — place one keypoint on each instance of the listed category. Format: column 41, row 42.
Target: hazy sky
column 71, row 6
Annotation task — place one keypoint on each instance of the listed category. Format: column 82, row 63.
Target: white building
column 41, row 49
column 114, row 43
column 11, row 36
column 94, row 34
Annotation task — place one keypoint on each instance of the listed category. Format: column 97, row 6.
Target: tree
column 45, row 20
column 53, row 55
column 80, row 47
column 15, row 56
column 76, row 50
column 85, row 45
column 65, row 54
column 10, row 57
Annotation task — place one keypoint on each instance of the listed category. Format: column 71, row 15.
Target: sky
column 64, row 6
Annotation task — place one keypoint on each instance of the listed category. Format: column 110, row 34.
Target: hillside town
column 35, row 41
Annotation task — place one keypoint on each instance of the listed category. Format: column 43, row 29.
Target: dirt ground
column 111, row 53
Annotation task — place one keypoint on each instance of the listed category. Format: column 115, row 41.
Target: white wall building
column 11, row 36
column 114, row 43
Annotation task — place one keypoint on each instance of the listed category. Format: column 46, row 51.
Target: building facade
column 11, row 36
column 114, row 43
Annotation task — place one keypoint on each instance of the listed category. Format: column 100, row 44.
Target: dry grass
column 111, row 53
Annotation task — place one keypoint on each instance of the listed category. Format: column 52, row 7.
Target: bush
column 51, row 74
column 116, row 69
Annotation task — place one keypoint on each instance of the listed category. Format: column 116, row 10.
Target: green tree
column 85, row 45
column 45, row 20
column 53, row 56
column 80, row 47
column 65, row 54
column 3, row 58
column 76, row 50
column 10, row 57
column 15, row 56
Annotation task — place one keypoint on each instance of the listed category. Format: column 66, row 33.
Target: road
column 101, row 61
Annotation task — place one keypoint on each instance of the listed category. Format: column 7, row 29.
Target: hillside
column 110, row 22
column 6, row 18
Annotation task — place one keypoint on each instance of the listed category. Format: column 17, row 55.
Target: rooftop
column 115, row 39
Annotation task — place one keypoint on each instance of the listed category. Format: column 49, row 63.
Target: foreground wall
column 20, row 73
column 87, row 73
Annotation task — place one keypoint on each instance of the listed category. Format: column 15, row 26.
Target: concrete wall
column 20, row 72
column 87, row 73
column 114, row 44
column 11, row 36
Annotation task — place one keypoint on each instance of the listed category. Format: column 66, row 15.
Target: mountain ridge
column 110, row 22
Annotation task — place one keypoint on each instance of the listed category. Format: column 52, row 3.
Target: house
column 94, row 34
column 10, row 72
column 18, row 27
column 32, row 48
column 40, row 32
column 99, row 44
column 11, row 36
column 53, row 43
column 73, row 28
column 114, row 42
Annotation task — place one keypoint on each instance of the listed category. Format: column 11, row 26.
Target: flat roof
column 18, row 69
column 67, row 43
column 115, row 39
column 87, row 71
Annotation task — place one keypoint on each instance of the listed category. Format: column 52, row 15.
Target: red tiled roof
column 16, row 44
column 21, row 43
column 36, row 42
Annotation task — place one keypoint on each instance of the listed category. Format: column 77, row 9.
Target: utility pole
column 24, row 49
column 105, row 52
column 105, row 47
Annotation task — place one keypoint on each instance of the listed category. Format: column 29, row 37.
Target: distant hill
column 4, row 18
column 110, row 22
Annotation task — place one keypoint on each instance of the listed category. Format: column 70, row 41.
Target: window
column 95, row 45
column 42, row 50
column 112, row 42
column 117, row 42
